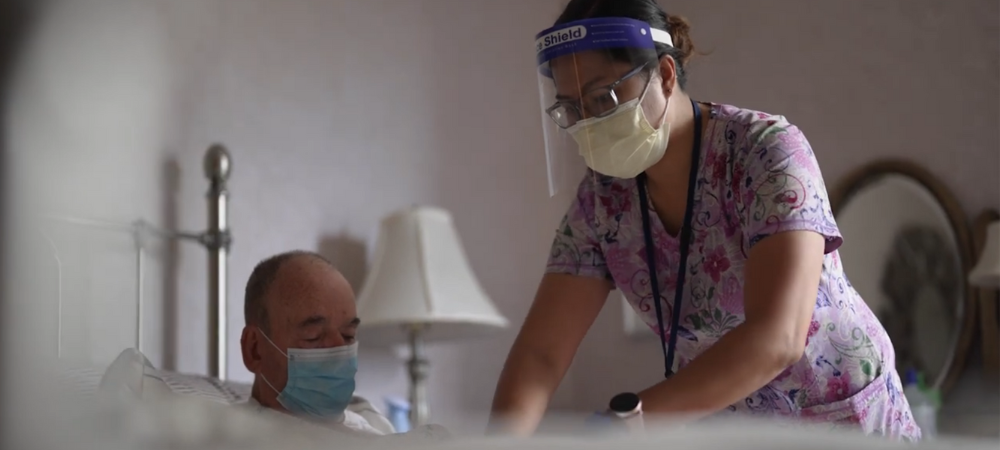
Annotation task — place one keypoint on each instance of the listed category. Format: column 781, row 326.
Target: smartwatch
column 627, row 407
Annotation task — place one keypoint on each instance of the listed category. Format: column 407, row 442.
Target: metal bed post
column 217, row 239
column 140, row 283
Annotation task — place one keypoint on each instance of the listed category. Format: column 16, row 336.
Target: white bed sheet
column 202, row 417
column 195, row 423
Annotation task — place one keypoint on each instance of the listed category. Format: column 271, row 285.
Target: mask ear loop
column 262, row 333
column 666, row 107
column 663, row 117
column 268, row 383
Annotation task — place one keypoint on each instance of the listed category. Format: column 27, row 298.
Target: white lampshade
column 420, row 276
column 987, row 271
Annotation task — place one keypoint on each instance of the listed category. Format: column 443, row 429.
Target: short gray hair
column 263, row 275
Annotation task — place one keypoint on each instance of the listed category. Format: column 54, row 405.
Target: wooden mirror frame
column 869, row 173
column 989, row 301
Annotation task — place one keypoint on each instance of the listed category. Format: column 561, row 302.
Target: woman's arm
column 564, row 309
column 781, row 282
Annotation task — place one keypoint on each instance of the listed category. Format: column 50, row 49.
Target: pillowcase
column 131, row 375
column 203, row 386
column 80, row 380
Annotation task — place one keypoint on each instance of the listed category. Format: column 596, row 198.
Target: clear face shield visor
column 591, row 71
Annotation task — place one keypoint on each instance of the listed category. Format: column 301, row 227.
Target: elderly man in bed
column 300, row 341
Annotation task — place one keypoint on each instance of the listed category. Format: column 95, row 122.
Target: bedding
column 132, row 370
column 191, row 422
column 132, row 376
column 124, row 413
column 131, row 404
column 80, row 380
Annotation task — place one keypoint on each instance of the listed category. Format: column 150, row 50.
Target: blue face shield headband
column 603, row 33
column 320, row 381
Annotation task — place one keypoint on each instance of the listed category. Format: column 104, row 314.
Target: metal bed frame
column 216, row 239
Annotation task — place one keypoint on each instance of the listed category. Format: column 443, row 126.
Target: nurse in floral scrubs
column 715, row 224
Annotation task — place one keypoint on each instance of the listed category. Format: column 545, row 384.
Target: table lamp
column 420, row 288
column 987, row 271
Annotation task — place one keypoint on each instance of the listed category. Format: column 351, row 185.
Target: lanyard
column 668, row 350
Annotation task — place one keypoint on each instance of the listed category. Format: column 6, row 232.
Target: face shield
column 592, row 77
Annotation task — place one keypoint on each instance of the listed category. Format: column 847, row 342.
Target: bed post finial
column 217, row 165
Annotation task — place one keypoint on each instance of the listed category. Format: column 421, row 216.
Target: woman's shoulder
column 744, row 125
column 744, row 117
column 754, row 139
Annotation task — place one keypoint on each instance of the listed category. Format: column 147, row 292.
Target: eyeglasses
column 597, row 102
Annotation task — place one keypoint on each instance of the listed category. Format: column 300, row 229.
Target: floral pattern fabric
column 757, row 176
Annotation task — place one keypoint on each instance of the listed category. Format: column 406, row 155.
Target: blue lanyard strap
column 675, row 318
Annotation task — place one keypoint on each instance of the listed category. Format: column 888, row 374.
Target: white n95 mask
column 623, row 144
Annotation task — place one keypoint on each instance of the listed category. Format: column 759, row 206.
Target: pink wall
column 914, row 79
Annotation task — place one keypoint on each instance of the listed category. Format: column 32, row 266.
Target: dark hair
column 263, row 275
column 647, row 11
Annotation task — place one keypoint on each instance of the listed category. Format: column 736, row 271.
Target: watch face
column 623, row 403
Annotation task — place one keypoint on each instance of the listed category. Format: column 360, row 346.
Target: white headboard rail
column 216, row 239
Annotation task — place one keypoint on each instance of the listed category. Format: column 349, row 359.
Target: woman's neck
column 672, row 169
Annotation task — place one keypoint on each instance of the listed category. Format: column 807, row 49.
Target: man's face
column 309, row 305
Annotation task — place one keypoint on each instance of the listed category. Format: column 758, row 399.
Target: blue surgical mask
column 320, row 381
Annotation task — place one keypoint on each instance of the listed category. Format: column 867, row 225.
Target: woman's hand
column 781, row 282
column 564, row 309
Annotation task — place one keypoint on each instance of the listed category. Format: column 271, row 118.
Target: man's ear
column 668, row 73
column 250, row 346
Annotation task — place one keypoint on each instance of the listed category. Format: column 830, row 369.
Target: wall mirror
column 907, row 250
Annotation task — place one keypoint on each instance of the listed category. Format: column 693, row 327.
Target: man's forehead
column 309, row 289
column 298, row 313
column 292, row 306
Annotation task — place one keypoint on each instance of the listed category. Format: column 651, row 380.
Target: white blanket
column 168, row 420
column 132, row 377
column 358, row 418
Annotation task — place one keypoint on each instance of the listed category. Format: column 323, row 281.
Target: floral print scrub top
column 758, row 176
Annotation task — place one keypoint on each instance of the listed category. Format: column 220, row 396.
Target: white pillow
column 81, row 380
column 204, row 386
column 131, row 373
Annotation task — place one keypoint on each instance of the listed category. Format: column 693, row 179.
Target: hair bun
column 680, row 33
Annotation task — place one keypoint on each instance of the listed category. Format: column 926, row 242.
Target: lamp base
column 418, row 369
